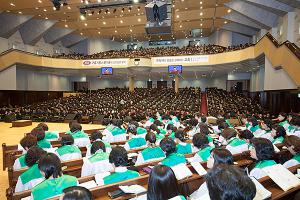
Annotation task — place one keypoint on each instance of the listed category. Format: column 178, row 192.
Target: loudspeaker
column 98, row 119
column 9, row 118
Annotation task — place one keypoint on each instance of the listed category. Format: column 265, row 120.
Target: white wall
column 238, row 39
column 224, row 38
column 99, row 45
column 8, row 79
column 239, row 76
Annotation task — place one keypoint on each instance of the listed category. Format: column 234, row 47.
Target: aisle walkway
column 203, row 108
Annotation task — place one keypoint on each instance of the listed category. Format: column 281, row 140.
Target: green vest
column 98, row 157
column 297, row 158
column 279, row 139
column 227, row 122
column 136, row 142
column 22, row 160
column 172, row 135
column 254, row 128
column 209, row 139
column 52, row 187
column 205, row 153
column 169, row 122
column 44, row 144
column 291, row 128
column 141, row 130
column 247, row 125
column 68, row 149
column 173, row 159
column 175, row 119
column 236, row 142
column 183, row 149
column 159, row 136
column 79, row 134
column 30, row 174
column 283, row 123
column 152, row 153
column 117, row 131
column 50, row 135
column 151, row 120
column 162, row 131
column 265, row 163
column 120, row 176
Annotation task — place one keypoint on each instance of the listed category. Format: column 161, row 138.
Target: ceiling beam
column 10, row 23
column 55, row 34
column 293, row 3
column 239, row 28
column 70, row 40
column 33, row 30
column 241, row 19
column 274, row 6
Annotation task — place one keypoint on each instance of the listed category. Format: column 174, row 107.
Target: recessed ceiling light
column 20, row 12
column 116, row 31
column 40, row 1
column 12, row 4
column 45, row 10
column 201, row 13
column 121, row 21
column 36, row 8
column 69, row 8
column 46, row 17
column 225, row 22
column 201, row 7
column 229, row 10
column 200, row 2
column 66, row 25
column 139, row 19
column 99, row 32
column 104, row 23
column 81, row 33
column 185, row 8
column 85, row 24
column 201, row 24
column 177, row 16
column 180, row 26
column 130, row 30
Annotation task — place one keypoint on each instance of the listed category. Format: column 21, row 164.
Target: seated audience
column 49, row 135
column 26, row 143
column 115, row 132
column 68, row 151
column 81, row 139
column 293, row 145
column 233, row 143
column 172, row 158
column 278, row 133
column 181, row 146
column 39, row 133
column 76, row 193
column 97, row 136
column 200, row 142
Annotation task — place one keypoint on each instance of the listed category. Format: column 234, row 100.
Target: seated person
column 159, row 133
column 150, row 120
column 217, row 156
column 81, row 139
column 76, row 193
column 194, row 128
column 181, row 146
column 39, row 133
column 266, row 126
column 98, row 162
column 282, row 120
column 174, row 119
column 97, row 136
column 135, row 143
column 68, row 151
column 263, row 152
column 292, row 142
column 151, row 153
column 135, row 131
column 171, row 129
column 226, row 182
column 172, row 158
column 49, row 135
column 205, row 130
column 118, row 157
column 32, row 176
column 278, row 133
column 26, row 143
column 247, row 136
column 295, row 130
column 200, row 142
column 56, row 182
column 115, row 133
column 254, row 126
column 233, row 144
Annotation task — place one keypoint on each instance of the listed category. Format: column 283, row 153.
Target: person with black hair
column 193, row 127
column 49, row 135
column 294, row 128
column 151, row 153
column 282, row 119
column 217, row 156
column 254, row 126
column 174, row 119
column 150, row 120
column 56, row 182
column 171, row 129
column 68, row 151
column 201, row 144
column 26, row 143
column 234, row 144
column 246, row 135
column 115, row 132
column 81, row 139
column 292, row 143
column 98, row 162
column 119, row 159
column 181, row 146
column 172, row 158
column 278, row 133
column 97, row 136
column 159, row 133
column 76, row 193
column 32, row 176
column 266, row 129
column 263, row 152
column 39, row 133
column 229, row 182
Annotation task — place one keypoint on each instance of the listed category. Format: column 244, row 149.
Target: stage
column 12, row 135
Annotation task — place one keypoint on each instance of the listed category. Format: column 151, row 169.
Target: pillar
column 131, row 84
column 176, row 84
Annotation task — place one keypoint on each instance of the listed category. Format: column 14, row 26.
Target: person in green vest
column 181, row 146
column 150, row 120
column 247, row 136
column 201, row 144
column 49, row 135
column 39, row 133
column 193, row 127
column 76, row 192
column 254, row 126
column 171, row 129
column 234, row 144
column 32, row 176
column 205, row 130
column 81, row 139
column 26, row 143
column 151, row 153
column 282, row 120
column 119, row 158
column 135, row 131
column 55, row 182
column 292, row 143
column 172, row 158
column 159, row 133
column 68, row 151
column 166, row 120
column 295, row 129
column 97, row 136
column 115, row 133
column 162, row 184
column 174, row 119
column 263, row 152
column 278, row 133
column 266, row 129
column 98, row 162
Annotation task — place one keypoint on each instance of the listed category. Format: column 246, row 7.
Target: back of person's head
column 200, row 140
column 204, row 129
column 292, row 142
column 282, row 116
column 280, row 131
column 106, row 121
column 193, row 122
column 118, row 156
column 97, row 135
column 67, row 140
column 157, row 123
column 168, row 145
column 33, row 155
column 203, row 119
column 179, row 134
column 50, row 165
column 96, row 146
column 254, row 121
column 264, row 149
column 43, row 126
column 223, row 126
column 150, row 137
column 75, row 127
column 77, row 193
column 162, row 183
column 171, row 127
column 222, row 156
column 246, row 134
column 28, row 141
column 39, row 133
column 72, row 122
column 227, row 182
column 132, row 127
column 154, row 127
column 127, row 119
column 118, row 123
column 228, row 133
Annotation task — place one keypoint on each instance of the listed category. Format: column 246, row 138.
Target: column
column 131, row 84
column 176, row 84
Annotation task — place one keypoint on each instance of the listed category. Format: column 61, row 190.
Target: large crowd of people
column 156, row 52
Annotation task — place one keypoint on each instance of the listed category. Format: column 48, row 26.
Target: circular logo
column 86, row 62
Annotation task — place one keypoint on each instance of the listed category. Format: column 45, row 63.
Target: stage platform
column 12, row 135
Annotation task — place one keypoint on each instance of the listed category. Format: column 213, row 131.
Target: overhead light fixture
column 201, row 13
column 20, row 12
column 229, row 10
column 104, row 23
column 81, row 33
column 82, row 17
column 139, row 19
column 225, row 22
column 121, row 21
column 40, row 1
column 66, row 25
column 12, row 4
column 177, row 16
column 45, row 10
column 69, row 8
column 85, row 24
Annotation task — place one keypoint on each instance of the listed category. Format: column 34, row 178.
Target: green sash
column 136, row 142
column 265, row 163
column 209, row 139
column 254, row 128
column 30, row 174
column 283, row 123
column 159, row 118
column 279, row 139
column 52, row 187
column 50, row 135
column 247, row 125
column 120, row 176
column 68, row 149
column 151, row 120
column 162, row 131
column 172, row 135
column 175, row 119
column 169, row 122
column 236, row 142
column 152, row 153
column 173, row 159
column 227, row 122
column 79, row 134
column 183, row 149
column 297, row 157
column 159, row 136
column 99, row 157
column 291, row 128
column 22, row 160
column 141, row 130
column 205, row 153
column 117, row 131
column 44, row 144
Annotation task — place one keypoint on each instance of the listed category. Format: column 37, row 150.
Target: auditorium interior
column 175, row 69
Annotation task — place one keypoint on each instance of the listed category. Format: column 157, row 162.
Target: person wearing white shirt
column 292, row 142
column 234, row 144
